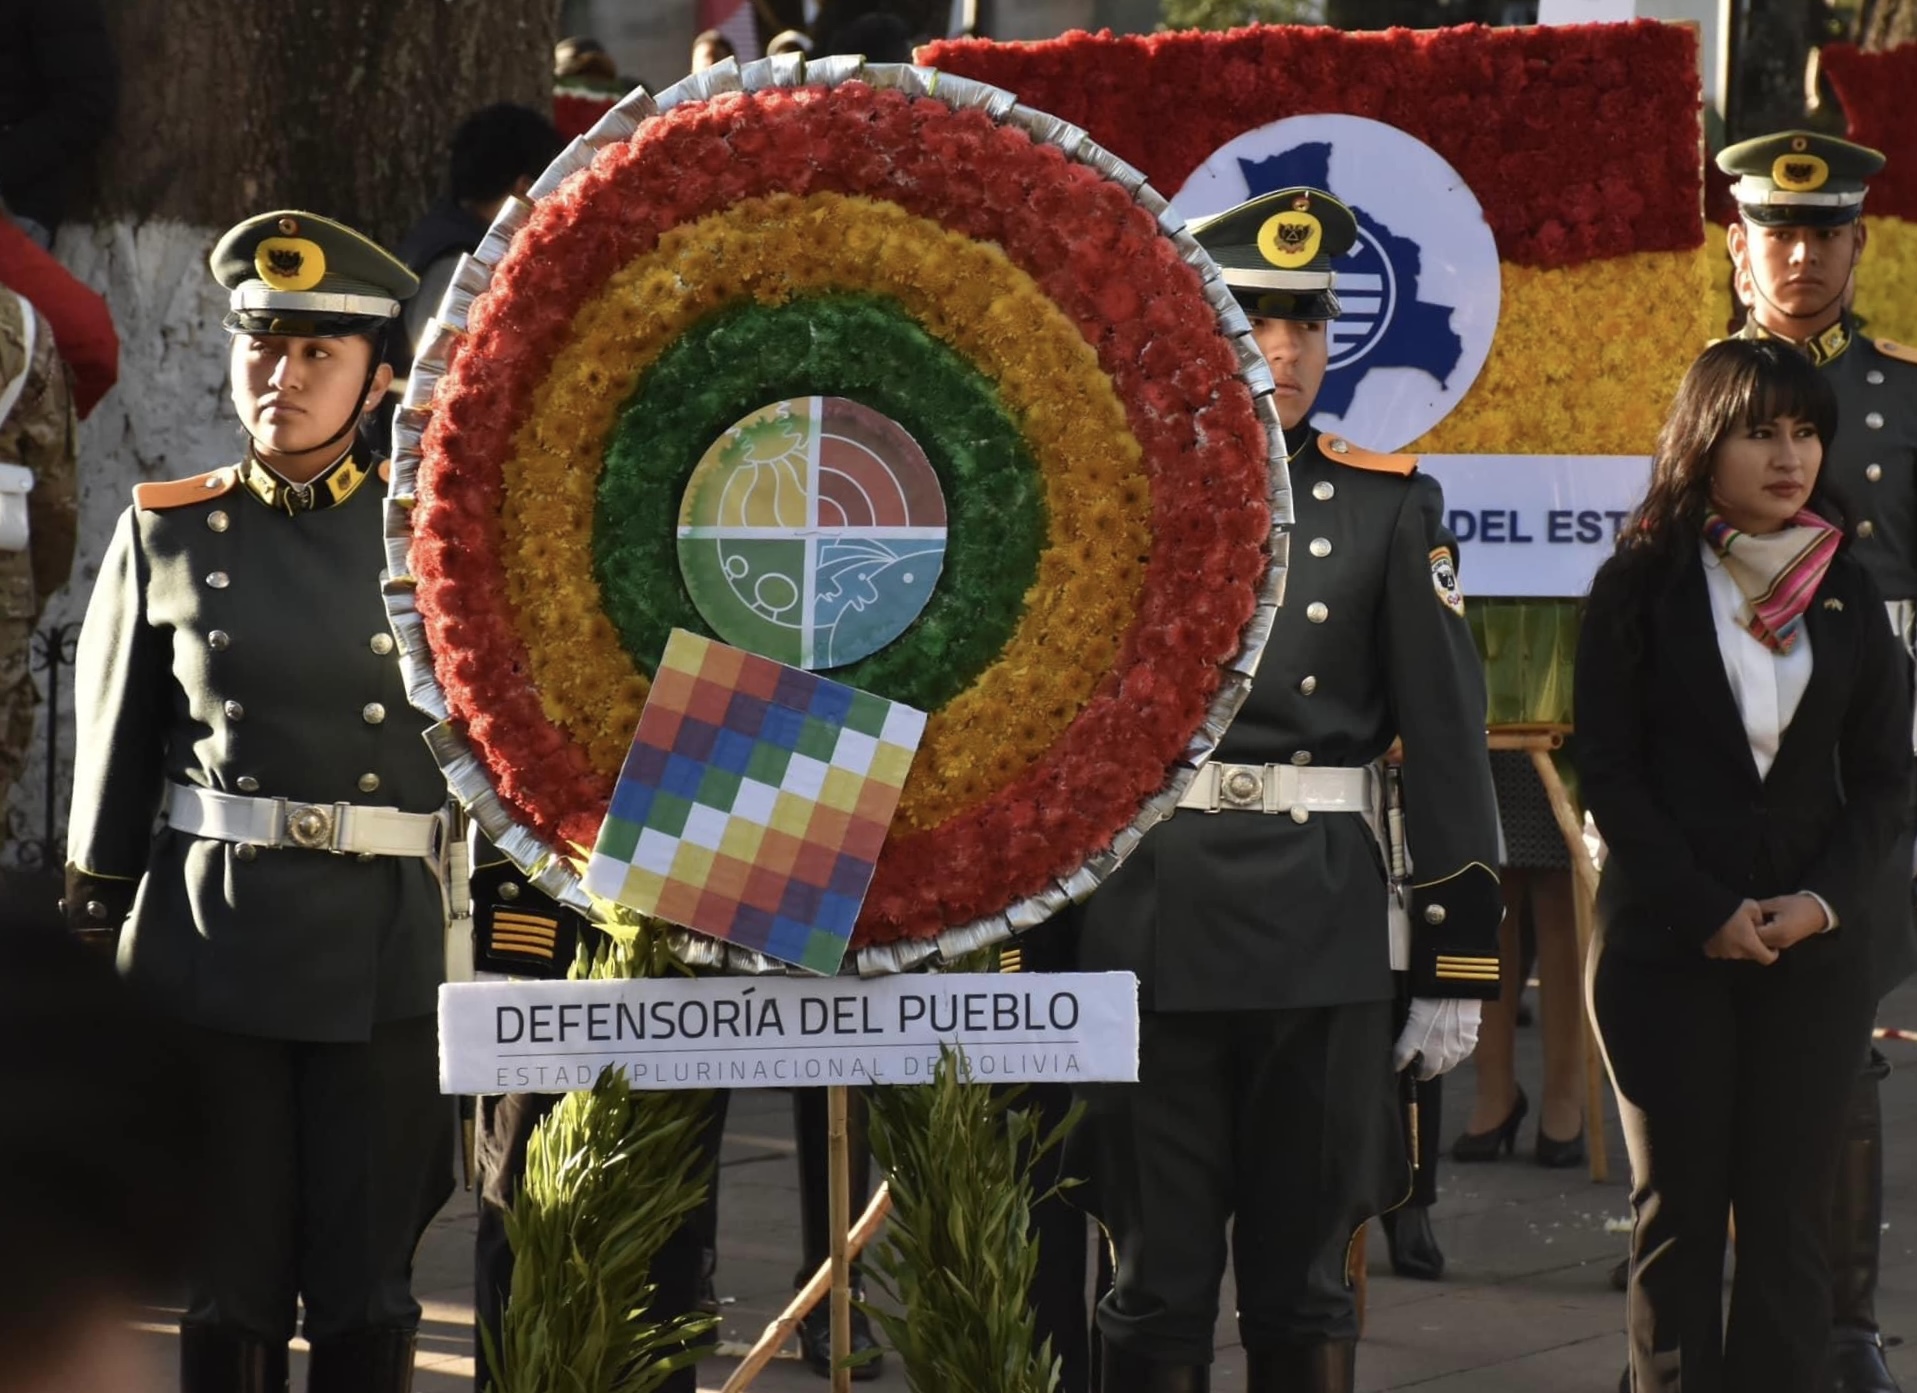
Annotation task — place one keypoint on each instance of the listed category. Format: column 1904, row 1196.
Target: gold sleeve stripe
column 531, row 921
column 1453, row 975
column 1460, row 960
column 531, row 945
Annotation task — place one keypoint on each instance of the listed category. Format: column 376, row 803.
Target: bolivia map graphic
column 1383, row 325
column 812, row 532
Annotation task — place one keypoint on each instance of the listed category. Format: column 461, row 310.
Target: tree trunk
column 340, row 107
column 1884, row 24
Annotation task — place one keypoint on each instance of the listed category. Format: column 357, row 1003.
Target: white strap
column 351, row 829
column 29, row 318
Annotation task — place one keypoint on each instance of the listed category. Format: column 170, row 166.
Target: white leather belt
column 1283, row 788
column 350, row 829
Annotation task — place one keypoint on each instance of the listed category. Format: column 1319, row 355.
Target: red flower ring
column 1098, row 254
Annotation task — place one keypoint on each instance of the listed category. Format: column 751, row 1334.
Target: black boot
column 1314, row 1366
column 815, row 1224
column 1414, row 1247
column 815, row 1337
column 1856, row 1362
column 1120, row 1372
column 362, row 1361
column 215, row 1359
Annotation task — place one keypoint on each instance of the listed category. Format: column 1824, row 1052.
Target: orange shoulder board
column 386, row 471
column 1903, row 352
column 1342, row 451
column 160, row 494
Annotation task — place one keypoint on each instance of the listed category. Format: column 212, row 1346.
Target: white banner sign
column 784, row 1032
column 1536, row 526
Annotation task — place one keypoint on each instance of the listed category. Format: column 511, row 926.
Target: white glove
column 1444, row 1032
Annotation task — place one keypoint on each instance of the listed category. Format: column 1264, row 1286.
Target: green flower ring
column 1103, row 246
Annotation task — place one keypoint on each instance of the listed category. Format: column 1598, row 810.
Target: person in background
column 789, row 41
column 1795, row 251
column 710, row 49
column 59, row 91
column 258, row 828
column 881, row 37
column 39, row 509
column 496, row 154
column 1744, row 746
column 1256, row 919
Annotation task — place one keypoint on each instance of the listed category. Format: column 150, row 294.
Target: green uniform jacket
column 1873, row 461
column 1248, row 911
column 236, row 645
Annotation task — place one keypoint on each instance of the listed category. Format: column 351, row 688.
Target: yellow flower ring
column 1096, row 493
column 958, row 207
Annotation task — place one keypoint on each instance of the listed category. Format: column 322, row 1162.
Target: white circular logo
column 1420, row 288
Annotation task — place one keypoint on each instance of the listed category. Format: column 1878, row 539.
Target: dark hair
column 1735, row 384
column 881, row 37
column 716, row 39
column 497, row 146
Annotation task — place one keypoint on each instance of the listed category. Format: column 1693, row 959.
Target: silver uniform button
column 1873, row 472
column 246, row 783
column 1866, row 528
column 381, row 644
column 219, row 580
column 96, row 909
column 1323, row 490
column 218, row 640
column 509, row 890
column 1316, row 612
column 1434, row 914
column 217, row 521
column 372, row 713
column 1874, row 419
column 1874, row 377
column 1300, row 814
column 1321, row 546
column 1308, row 686
column 369, row 783
column 1301, row 757
column 234, row 711
column 246, row 851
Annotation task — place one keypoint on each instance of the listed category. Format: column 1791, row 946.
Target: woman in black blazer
column 1744, row 744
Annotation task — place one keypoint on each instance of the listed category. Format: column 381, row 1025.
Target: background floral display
column 1021, row 303
column 1875, row 89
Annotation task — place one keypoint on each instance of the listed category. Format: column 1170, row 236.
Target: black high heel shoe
column 1503, row 1138
column 1560, row 1155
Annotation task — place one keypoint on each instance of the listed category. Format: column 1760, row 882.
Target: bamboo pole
column 786, row 1325
column 840, row 1145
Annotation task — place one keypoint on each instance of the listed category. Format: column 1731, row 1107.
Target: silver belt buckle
column 1241, row 787
column 311, row 825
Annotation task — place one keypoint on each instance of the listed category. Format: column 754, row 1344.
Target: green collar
column 1821, row 349
column 332, row 487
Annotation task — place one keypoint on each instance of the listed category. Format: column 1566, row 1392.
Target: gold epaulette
column 158, row 495
column 1902, row 352
column 1342, row 451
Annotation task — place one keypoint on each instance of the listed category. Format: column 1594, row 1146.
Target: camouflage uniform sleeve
column 48, row 445
column 1451, row 825
column 121, row 677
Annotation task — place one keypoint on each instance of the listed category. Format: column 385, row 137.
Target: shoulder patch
column 1341, row 451
column 1444, row 580
column 1903, row 352
column 158, row 495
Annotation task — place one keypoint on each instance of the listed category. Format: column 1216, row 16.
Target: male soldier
column 38, row 513
column 1795, row 246
column 1255, row 919
column 237, row 682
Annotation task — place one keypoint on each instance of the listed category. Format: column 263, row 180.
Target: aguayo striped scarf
column 1778, row 572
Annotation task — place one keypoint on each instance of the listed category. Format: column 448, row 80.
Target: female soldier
column 1743, row 741
column 236, row 678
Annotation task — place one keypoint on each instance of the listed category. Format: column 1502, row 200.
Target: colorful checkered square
column 754, row 802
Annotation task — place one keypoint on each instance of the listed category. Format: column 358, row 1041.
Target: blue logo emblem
column 1384, row 324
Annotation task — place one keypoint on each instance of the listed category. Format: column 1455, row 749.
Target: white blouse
column 1766, row 685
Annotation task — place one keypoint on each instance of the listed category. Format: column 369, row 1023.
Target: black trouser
column 1283, row 1123
column 812, row 1134
column 503, row 1127
column 1058, row 1287
column 1733, row 1081
column 323, row 1165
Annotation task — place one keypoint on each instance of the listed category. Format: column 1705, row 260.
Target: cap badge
column 1290, row 239
column 289, row 263
column 1799, row 173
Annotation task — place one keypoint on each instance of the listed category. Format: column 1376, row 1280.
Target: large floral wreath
column 978, row 272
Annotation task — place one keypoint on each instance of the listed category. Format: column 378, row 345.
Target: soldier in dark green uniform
column 258, row 823
column 1796, row 248
column 1256, row 917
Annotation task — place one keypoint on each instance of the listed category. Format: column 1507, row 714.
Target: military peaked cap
column 1276, row 252
column 1800, row 178
column 301, row 274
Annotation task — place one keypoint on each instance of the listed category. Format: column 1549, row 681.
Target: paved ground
column 1525, row 1306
